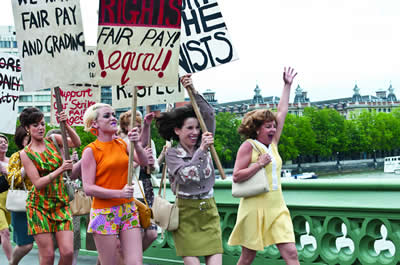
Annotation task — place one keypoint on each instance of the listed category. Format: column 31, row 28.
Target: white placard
column 51, row 42
column 138, row 43
column 205, row 41
column 10, row 82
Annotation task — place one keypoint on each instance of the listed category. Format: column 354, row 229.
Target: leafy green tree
column 227, row 139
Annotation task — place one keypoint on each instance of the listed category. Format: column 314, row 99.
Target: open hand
column 288, row 75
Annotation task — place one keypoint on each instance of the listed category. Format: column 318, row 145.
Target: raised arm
column 73, row 139
column 288, row 77
column 145, row 133
column 33, row 173
column 206, row 110
column 140, row 155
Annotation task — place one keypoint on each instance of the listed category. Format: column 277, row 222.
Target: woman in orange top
column 105, row 170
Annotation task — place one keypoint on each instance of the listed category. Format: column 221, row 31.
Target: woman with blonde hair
column 145, row 179
column 104, row 175
column 264, row 219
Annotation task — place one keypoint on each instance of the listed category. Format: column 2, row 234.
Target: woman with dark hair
column 47, row 207
column 264, row 219
column 19, row 222
column 191, row 174
column 4, row 213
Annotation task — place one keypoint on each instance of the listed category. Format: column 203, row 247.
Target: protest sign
column 10, row 82
column 75, row 100
column 138, row 42
column 205, row 41
column 51, row 43
column 146, row 96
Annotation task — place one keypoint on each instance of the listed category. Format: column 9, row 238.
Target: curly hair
column 168, row 121
column 30, row 116
column 20, row 134
column 253, row 120
column 125, row 120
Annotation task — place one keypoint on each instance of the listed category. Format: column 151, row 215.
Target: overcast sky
column 333, row 44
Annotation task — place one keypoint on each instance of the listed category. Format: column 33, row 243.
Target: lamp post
column 299, row 169
column 375, row 164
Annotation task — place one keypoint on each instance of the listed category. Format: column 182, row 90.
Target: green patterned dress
column 48, row 209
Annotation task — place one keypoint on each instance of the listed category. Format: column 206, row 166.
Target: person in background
column 75, row 174
column 268, row 210
column 5, row 217
column 145, row 179
column 19, row 222
column 192, row 177
column 47, row 206
column 105, row 177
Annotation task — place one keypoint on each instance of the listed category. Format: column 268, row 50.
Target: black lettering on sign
column 31, row 2
column 202, row 50
column 143, row 12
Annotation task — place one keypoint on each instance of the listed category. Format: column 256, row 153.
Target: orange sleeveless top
column 111, row 169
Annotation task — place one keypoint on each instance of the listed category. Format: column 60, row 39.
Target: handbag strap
column 141, row 190
column 12, row 183
column 255, row 145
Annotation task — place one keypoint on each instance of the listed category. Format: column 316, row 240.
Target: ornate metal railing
column 335, row 221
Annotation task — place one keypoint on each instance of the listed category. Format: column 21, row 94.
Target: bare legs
column 149, row 235
column 288, row 252
column 215, row 259
column 106, row 247
column 45, row 245
column 19, row 252
column 5, row 242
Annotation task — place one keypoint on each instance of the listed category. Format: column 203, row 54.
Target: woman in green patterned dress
column 47, row 206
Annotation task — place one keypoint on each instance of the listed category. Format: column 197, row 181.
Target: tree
column 227, row 139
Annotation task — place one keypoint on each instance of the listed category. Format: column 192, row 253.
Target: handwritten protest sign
column 205, row 41
column 122, row 96
column 10, row 82
column 138, row 42
column 51, row 43
column 76, row 99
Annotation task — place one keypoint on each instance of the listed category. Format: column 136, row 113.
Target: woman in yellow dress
column 264, row 219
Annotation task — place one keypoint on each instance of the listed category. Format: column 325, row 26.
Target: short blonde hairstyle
column 91, row 115
column 253, row 120
column 125, row 120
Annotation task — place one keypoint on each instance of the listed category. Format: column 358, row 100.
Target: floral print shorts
column 111, row 221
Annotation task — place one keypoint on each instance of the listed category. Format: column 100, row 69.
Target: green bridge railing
column 335, row 222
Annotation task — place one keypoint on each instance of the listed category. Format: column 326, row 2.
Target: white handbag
column 16, row 199
column 253, row 186
column 165, row 214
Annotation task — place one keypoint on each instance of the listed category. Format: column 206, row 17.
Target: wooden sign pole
column 204, row 129
column 131, row 146
column 148, row 169
column 62, row 126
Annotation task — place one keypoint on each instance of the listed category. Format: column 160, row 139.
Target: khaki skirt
column 199, row 231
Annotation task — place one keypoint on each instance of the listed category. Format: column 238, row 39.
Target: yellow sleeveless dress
column 264, row 219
